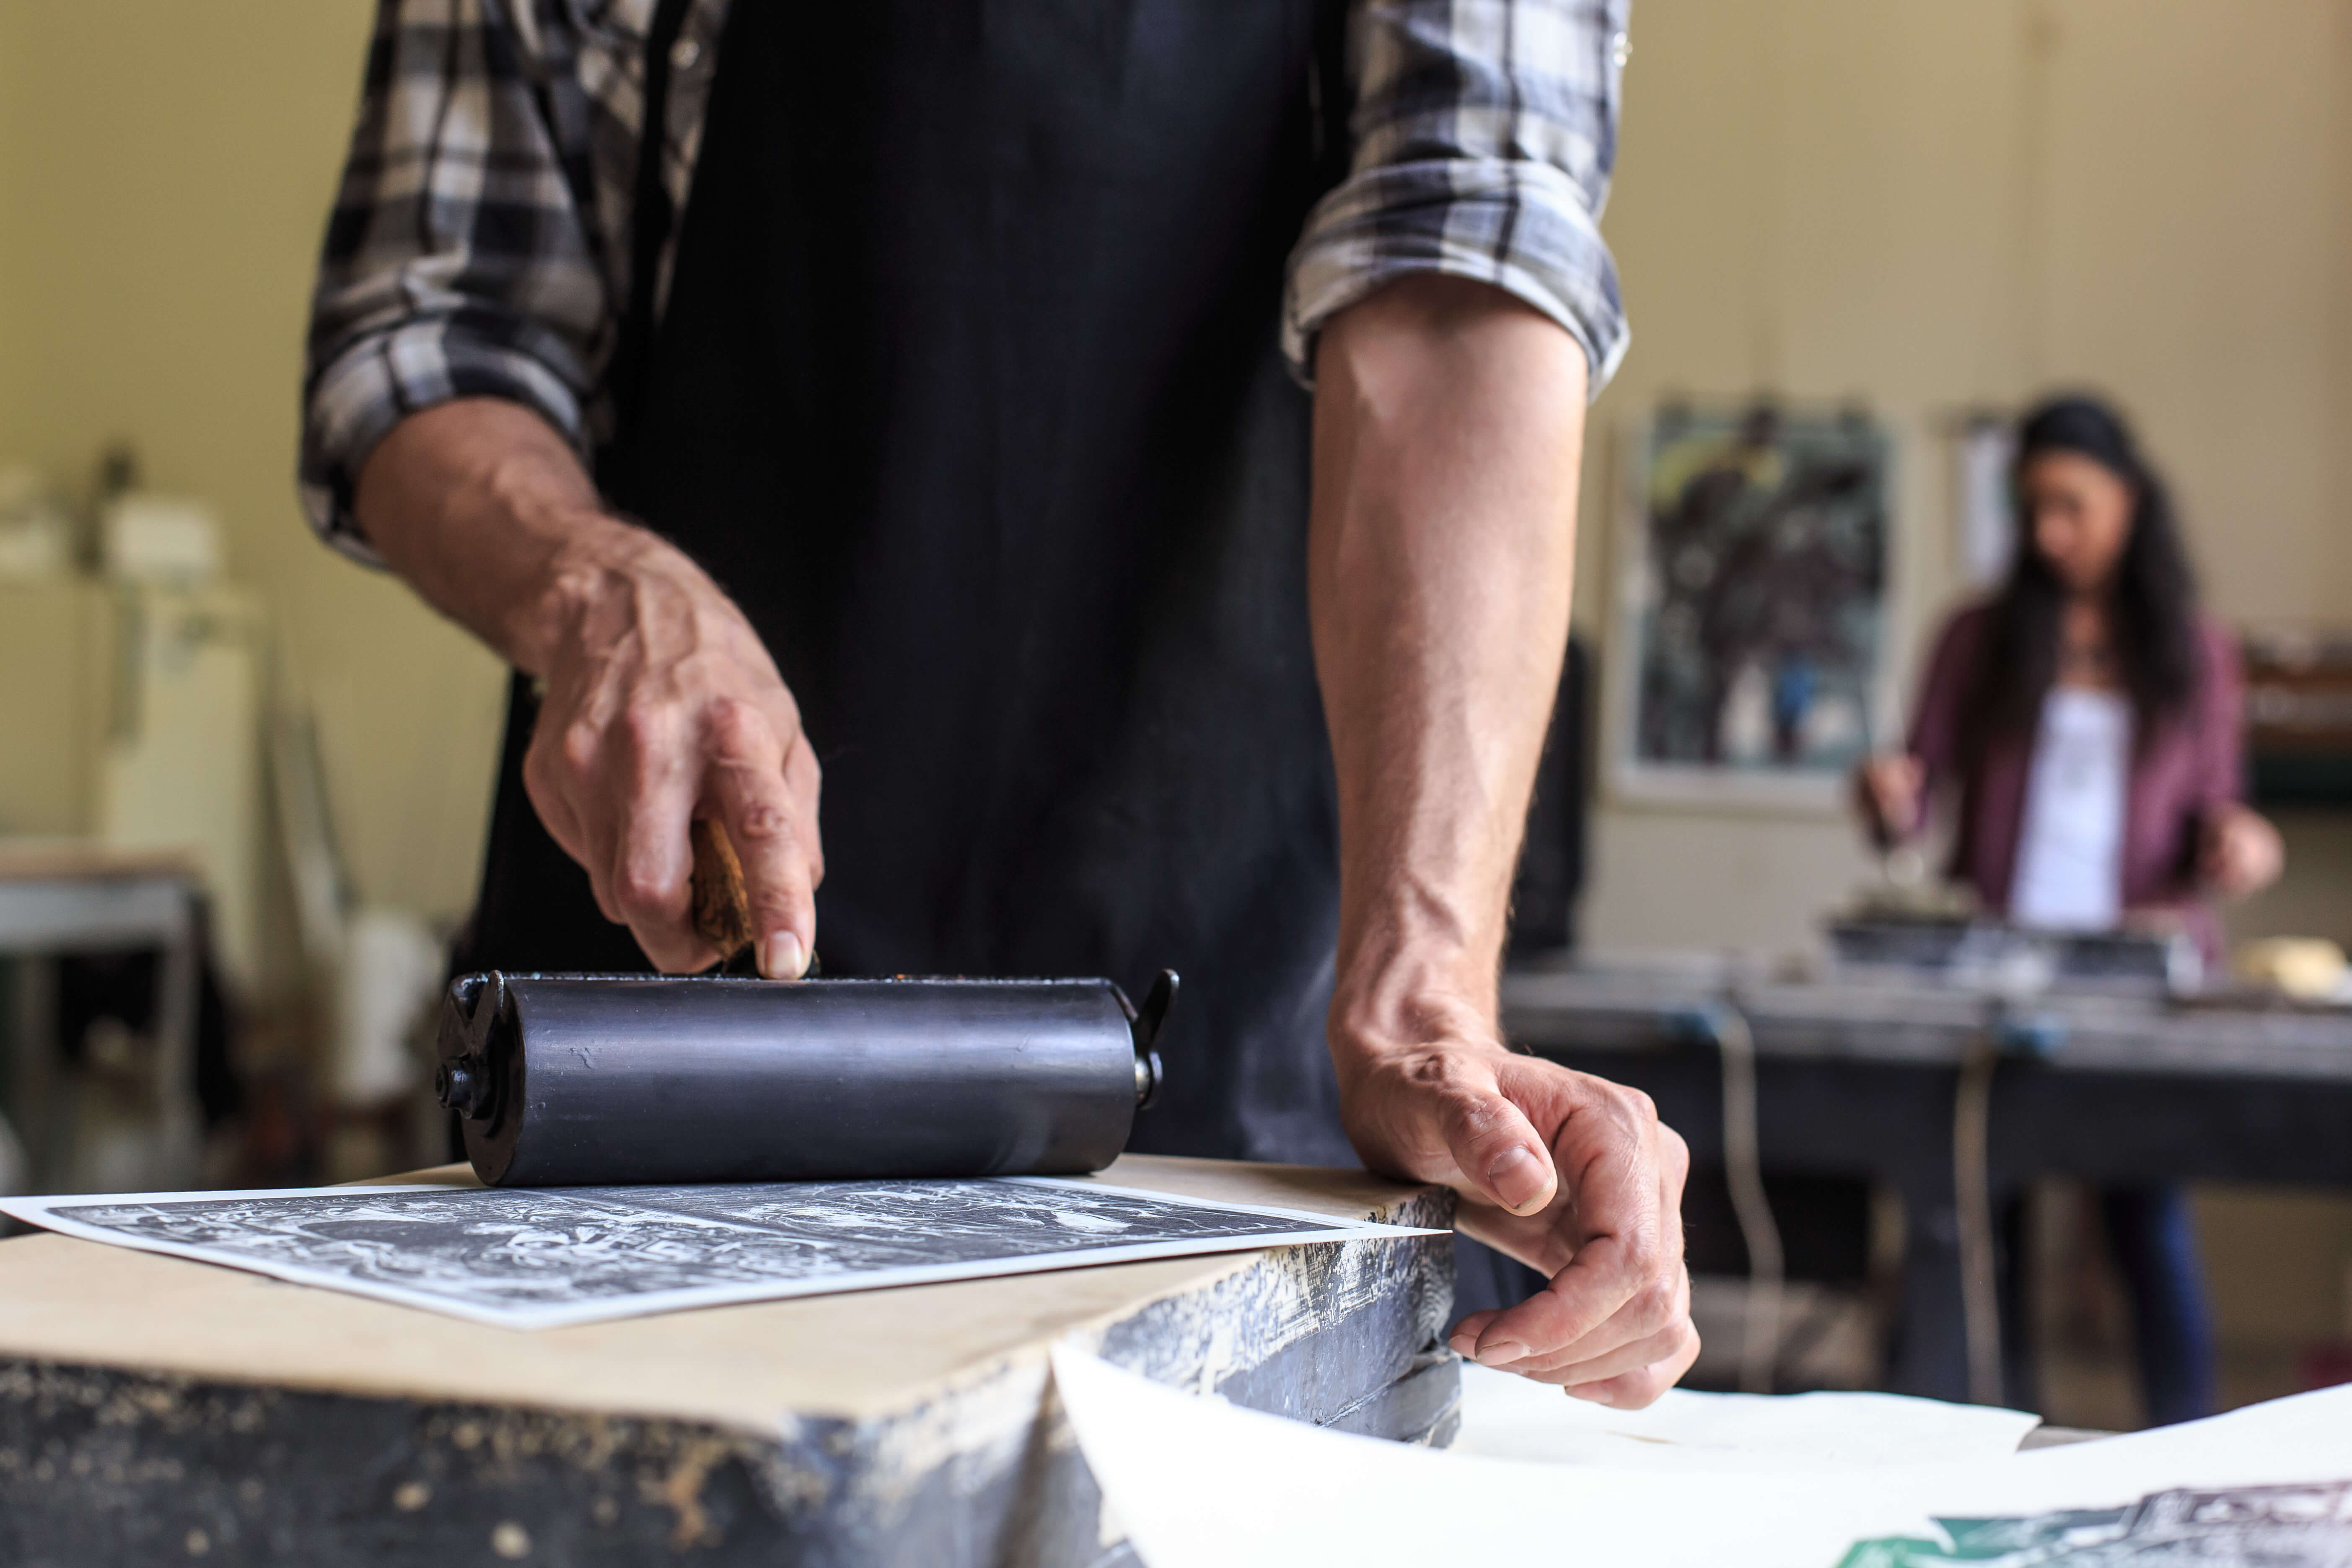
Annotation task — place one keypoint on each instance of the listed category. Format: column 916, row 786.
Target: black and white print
column 525, row 1258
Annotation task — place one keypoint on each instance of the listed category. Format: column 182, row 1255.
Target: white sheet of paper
column 1197, row 1483
column 538, row 1258
column 1505, row 1416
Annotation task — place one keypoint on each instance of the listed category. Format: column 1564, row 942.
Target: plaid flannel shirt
column 480, row 243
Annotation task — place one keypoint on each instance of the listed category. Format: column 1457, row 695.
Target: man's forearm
column 487, row 513
column 1448, row 434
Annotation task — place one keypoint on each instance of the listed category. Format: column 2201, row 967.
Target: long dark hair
column 2153, row 604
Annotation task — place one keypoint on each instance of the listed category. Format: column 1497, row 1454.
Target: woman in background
column 2088, row 717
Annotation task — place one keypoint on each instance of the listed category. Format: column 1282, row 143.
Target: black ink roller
column 579, row 1080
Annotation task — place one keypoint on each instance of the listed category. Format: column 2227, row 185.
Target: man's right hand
column 662, row 704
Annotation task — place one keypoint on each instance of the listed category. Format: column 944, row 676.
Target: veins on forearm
column 1447, row 431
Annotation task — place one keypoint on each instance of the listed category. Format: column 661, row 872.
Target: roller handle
column 722, row 909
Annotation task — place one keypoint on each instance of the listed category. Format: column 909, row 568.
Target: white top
column 2070, row 846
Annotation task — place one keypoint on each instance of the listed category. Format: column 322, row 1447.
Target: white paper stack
column 1197, row 1483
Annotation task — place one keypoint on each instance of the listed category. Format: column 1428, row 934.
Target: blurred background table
column 113, row 1110
column 1857, row 1079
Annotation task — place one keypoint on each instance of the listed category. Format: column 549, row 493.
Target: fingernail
column 1501, row 1353
column 1515, row 1167
column 781, row 957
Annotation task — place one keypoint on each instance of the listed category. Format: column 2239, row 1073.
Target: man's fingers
column 804, row 782
column 1607, row 1351
column 1496, row 1150
column 1648, row 1328
column 550, row 777
column 1577, row 1367
column 1622, row 1282
column 1573, row 1318
column 1464, row 1337
column 1647, row 1350
column 556, row 770
column 618, row 798
column 1633, row 1390
column 1673, row 1171
column 745, row 788
column 653, row 857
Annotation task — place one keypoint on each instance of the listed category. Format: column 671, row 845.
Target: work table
column 151, row 1406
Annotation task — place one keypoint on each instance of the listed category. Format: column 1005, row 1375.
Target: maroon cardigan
column 2190, row 766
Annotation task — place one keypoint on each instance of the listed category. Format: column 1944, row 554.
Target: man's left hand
column 1570, row 1174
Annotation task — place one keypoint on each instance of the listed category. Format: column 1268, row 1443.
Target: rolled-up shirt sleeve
column 1484, row 132
column 457, row 261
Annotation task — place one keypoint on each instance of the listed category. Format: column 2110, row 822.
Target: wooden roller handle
column 722, row 912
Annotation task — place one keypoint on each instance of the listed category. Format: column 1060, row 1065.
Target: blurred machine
column 133, row 705
column 132, row 823
column 181, row 768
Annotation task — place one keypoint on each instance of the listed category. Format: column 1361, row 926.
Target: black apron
column 968, row 390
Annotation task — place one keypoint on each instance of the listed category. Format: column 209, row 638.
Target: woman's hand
column 2239, row 852
column 1886, row 791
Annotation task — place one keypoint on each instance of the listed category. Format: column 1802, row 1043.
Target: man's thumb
column 1495, row 1147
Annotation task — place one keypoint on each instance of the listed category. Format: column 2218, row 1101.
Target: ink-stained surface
column 535, row 1259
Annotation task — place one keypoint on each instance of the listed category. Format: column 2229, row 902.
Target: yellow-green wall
column 166, row 170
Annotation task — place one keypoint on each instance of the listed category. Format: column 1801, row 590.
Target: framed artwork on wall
column 1748, row 638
